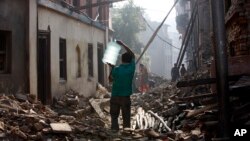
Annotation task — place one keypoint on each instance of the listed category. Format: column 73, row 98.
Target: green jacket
column 122, row 79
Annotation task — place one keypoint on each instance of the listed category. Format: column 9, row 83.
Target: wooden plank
column 198, row 96
column 1, row 126
column 60, row 127
column 97, row 4
column 204, row 81
column 192, row 113
column 196, row 82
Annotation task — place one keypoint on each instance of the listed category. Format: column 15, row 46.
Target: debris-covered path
column 165, row 113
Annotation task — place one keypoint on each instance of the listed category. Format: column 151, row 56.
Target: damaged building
column 50, row 46
column 237, row 32
column 194, row 23
column 216, row 43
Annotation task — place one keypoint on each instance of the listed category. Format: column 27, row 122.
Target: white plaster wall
column 75, row 33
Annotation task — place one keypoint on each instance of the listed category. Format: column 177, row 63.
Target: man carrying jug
column 122, row 77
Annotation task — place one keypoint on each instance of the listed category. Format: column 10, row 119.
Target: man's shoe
column 127, row 131
column 114, row 132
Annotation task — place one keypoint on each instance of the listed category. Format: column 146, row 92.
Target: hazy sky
column 157, row 10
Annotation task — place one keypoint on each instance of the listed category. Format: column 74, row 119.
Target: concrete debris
column 1, row 126
column 96, row 105
column 102, row 92
column 60, row 127
column 190, row 112
column 165, row 113
column 23, row 119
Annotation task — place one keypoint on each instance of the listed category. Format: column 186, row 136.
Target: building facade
column 51, row 46
column 200, row 49
column 194, row 23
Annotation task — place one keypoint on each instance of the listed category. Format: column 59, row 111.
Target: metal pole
column 185, row 43
column 187, row 33
column 221, row 66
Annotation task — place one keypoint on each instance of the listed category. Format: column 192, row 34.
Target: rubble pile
column 202, row 73
column 24, row 118
column 164, row 110
column 90, row 115
column 95, row 120
column 28, row 119
column 154, row 99
column 71, row 103
column 156, row 80
column 179, row 113
column 190, row 112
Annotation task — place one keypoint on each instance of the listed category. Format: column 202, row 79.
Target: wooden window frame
column 90, row 60
column 79, row 68
column 62, row 59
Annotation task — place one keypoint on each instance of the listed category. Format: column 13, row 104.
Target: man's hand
column 110, row 65
column 120, row 42
column 126, row 47
column 110, row 75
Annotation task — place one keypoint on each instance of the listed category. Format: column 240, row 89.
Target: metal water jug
column 111, row 53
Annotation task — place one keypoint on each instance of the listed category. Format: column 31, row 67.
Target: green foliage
column 127, row 23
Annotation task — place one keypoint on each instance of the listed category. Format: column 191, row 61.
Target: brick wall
column 238, row 27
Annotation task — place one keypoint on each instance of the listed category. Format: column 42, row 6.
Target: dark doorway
column 43, row 67
column 100, row 64
column 5, row 49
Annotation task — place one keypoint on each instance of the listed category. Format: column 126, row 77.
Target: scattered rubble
column 164, row 113
column 65, row 120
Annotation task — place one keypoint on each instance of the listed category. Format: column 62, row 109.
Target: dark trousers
column 118, row 103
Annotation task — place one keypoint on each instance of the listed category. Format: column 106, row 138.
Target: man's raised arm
column 126, row 47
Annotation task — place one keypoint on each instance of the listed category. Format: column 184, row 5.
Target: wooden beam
column 204, row 81
column 196, row 82
column 198, row 96
column 96, row 4
column 192, row 113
